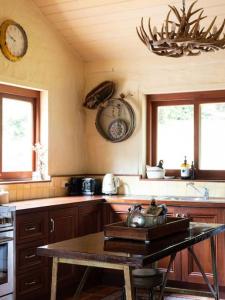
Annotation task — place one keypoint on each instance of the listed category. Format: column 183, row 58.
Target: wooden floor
column 185, row 297
column 114, row 293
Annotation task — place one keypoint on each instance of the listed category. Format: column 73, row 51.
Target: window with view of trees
column 19, row 131
column 187, row 124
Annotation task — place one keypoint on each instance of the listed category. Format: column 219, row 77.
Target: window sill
column 22, row 181
column 182, row 180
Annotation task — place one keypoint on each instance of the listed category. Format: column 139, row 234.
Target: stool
column 147, row 279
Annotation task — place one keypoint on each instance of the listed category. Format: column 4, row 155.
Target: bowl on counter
column 155, row 172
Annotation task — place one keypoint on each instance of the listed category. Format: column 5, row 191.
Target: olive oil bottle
column 185, row 169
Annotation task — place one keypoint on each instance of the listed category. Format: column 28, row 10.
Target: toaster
column 74, row 186
column 91, row 186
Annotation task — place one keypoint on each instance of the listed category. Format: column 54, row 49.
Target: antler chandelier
column 183, row 36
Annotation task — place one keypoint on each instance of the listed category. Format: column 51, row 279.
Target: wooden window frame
column 33, row 97
column 194, row 98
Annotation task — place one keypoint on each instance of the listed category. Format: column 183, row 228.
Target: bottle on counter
column 185, row 169
column 192, row 171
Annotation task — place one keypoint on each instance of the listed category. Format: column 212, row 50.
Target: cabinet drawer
column 31, row 227
column 32, row 284
column 26, row 256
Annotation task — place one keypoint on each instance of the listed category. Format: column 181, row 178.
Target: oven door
column 6, row 263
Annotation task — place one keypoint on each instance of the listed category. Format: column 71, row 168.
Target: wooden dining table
column 94, row 250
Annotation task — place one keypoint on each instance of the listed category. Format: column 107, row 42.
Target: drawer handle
column 30, row 228
column 30, row 256
column 31, row 283
column 52, row 225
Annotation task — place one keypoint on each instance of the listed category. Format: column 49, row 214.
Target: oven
column 7, row 276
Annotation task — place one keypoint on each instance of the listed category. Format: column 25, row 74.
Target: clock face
column 13, row 40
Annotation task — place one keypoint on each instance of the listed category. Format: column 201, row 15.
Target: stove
column 7, row 250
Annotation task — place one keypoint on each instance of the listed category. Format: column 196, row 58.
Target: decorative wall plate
column 117, row 129
column 115, row 120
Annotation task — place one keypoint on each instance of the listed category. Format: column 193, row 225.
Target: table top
column 94, row 247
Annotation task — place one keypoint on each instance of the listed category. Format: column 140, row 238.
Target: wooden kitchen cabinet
column 185, row 269
column 62, row 227
column 89, row 218
column 31, row 270
column 50, row 225
column 44, row 226
column 190, row 272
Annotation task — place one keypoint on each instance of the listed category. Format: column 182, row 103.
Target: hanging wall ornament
column 99, row 94
column 115, row 119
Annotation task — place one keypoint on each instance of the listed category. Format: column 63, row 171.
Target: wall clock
column 13, row 40
column 115, row 119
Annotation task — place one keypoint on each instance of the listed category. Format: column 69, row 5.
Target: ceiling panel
column 105, row 29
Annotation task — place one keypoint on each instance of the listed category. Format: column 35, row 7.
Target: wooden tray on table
column 121, row 230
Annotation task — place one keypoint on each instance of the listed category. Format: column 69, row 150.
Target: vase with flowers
column 41, row 161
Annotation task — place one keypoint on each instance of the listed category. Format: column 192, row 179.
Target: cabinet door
column 190, row 271
column 89, row 218
column 175, row 273
column 115, row 212
column 62, row 227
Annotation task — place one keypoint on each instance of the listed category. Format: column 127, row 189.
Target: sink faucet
column 203, row 191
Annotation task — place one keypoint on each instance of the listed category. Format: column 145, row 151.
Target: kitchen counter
column 22, row 206
column 169, row 200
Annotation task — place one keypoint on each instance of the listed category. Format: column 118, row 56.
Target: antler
column 187, row 38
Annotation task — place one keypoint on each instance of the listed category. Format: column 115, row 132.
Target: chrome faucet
column 203, row 191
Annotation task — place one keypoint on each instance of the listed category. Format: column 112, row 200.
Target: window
column 19, row 130
column 187, row 124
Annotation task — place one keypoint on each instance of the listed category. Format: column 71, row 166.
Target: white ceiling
column 105, row 29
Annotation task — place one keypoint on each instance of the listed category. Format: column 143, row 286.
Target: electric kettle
column 110, row 184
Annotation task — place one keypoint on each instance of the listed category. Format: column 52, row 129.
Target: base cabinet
column 50, row 225
column 184, row 268
column 33, row 273
column 190, row 271
column 62, row 227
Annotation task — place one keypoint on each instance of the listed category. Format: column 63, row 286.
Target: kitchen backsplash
column 36, row 190
column 130, row 185
column 133, row 185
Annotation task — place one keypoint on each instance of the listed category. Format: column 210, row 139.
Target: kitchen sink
column 177, row 198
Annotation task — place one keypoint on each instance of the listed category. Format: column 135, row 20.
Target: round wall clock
column 13, row 40
column 115, row 120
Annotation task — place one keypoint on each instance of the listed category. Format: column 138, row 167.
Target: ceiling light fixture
column 183, row 36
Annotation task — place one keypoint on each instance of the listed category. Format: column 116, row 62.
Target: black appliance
column 7, row 247
column 74, row 186
column 91, row 186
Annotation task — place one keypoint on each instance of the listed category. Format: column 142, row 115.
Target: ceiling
column 105, row 29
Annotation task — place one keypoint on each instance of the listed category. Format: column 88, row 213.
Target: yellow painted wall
column 51, row 65
column 149, row 75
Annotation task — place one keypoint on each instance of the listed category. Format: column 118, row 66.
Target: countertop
column 49, row 202
column 22, row 206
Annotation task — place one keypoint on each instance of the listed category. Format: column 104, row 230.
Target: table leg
column 212, row 290
column 128, row 283
column 215, row 276
column 172, row 257
column 82, row 283
column 54, row 278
